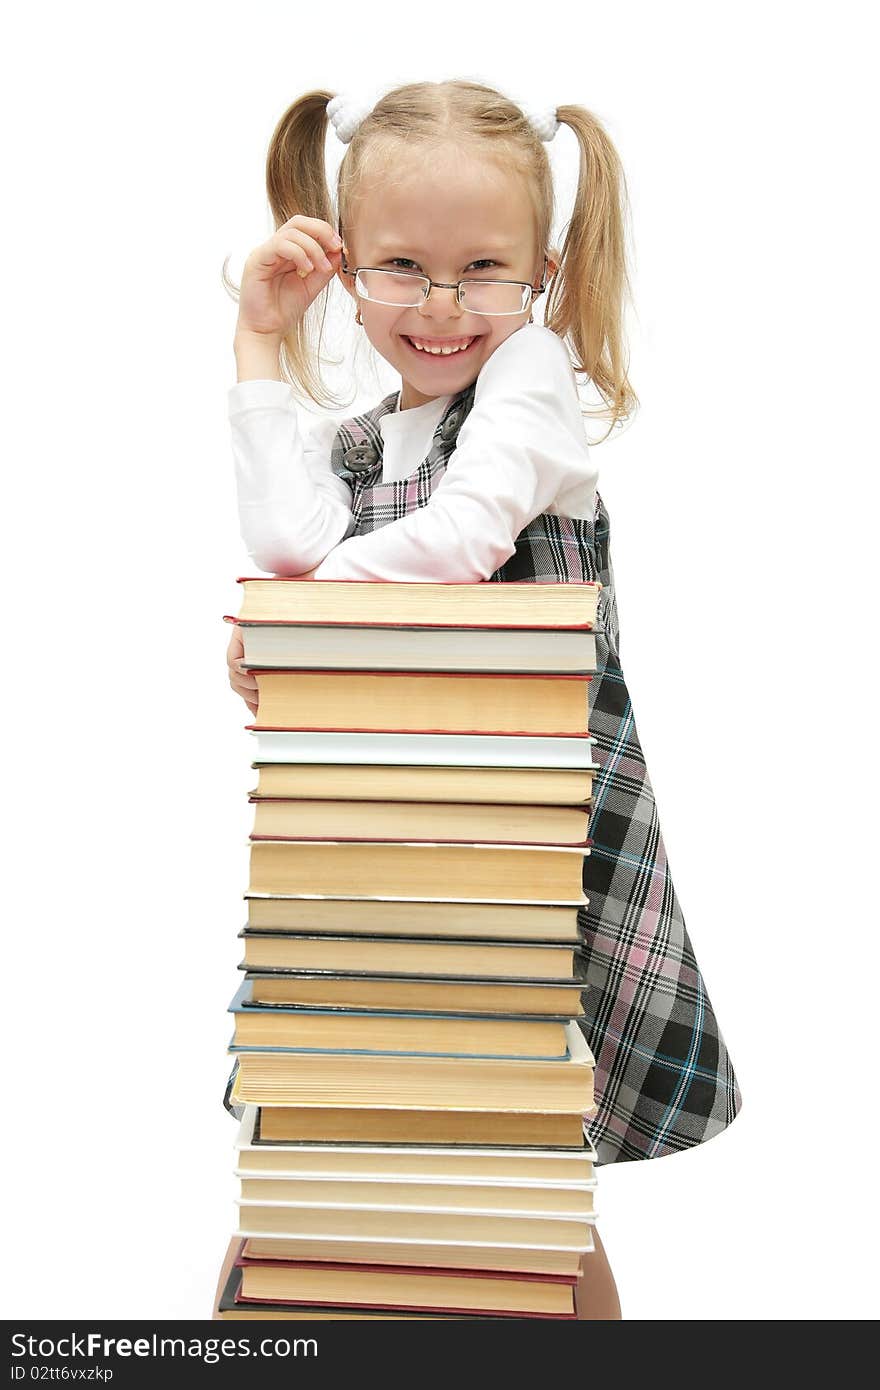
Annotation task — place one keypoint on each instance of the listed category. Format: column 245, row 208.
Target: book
column 368, row 1080
column 285, row 1028
column 406, row 1287
column 462, row 871
column 400, row 702
column 288, row 646
column 505, row 786
column 416, row 994
column 525, row 1259
column 277, row 1220
column 345, row 1164
column 422, row 1162
column 280, row 818
column 415, row 742
column 412, row 917
column 429, row 749
column 309, row 1124
column 230, row 1307
column 558, row 1203
column 518, row 605
column 471, row 960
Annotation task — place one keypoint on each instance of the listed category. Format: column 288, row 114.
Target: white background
column 744, row 528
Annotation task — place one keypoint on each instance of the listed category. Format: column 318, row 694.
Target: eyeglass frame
column 439, row 284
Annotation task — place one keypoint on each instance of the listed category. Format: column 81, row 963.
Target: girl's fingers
column 242, row 681
column 316, row 228
column 311, row 249
column 242, row 676
column 288, row 250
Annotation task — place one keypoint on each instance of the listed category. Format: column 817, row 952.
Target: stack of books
column 413, row 1079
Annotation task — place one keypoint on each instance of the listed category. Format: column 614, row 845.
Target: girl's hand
column 284, row 275
column 242, row 682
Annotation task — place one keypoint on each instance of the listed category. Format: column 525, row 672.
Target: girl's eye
column 406, row 261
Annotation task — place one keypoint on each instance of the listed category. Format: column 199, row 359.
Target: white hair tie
column 542, row 120
column 348, row 110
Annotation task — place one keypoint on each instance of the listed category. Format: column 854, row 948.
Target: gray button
column 361, row 457
column 450, row 427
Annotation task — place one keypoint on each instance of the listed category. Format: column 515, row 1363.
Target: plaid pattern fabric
column 663, row 1077
column 664, row 1080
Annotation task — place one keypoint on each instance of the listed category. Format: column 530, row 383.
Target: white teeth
column 440, row 351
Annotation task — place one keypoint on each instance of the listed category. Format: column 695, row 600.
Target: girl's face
column 450, row 221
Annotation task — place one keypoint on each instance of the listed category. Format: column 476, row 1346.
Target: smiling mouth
column 457, row 347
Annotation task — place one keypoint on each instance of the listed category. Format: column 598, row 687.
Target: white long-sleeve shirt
column 521, row 451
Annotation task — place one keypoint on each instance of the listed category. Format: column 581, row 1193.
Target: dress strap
column 356, row 453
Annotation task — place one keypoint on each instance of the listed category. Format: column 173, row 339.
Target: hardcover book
column 500, row 786
column 288, row 818
column 367, row 1080
column 425, row 749
column 516, row 605
column 344, row 646
column 393, row 993
column 338, row 915
column 464, row 960
column 465, row 870
column 285, row 1028
column 399, row 702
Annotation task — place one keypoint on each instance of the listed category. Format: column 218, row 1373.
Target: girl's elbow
column 278, row 558
column 287, row 567
column 276, row 565
column 278, row 548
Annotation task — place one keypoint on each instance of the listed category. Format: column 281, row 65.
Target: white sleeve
column 292, row 507
column 522, row 445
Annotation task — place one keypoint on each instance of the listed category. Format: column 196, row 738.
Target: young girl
column 478, row 469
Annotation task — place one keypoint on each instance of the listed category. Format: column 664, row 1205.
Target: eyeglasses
column 405, row 289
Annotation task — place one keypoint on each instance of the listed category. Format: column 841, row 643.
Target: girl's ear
column 347, row 280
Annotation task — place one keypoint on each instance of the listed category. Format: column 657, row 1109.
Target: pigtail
column 296, row 181
column 586, row 300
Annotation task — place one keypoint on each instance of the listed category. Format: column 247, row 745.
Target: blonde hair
column 587, row 295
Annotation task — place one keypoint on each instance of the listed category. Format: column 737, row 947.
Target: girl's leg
column 596, row 1292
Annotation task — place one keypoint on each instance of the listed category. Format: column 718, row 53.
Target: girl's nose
column 441, row 303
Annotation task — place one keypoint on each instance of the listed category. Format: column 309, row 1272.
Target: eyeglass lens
column 407, row 291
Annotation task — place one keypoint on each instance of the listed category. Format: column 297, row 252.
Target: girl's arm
column 292, row 510
column 522, row 446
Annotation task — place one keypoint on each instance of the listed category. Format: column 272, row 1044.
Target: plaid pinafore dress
column 663, row 1077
